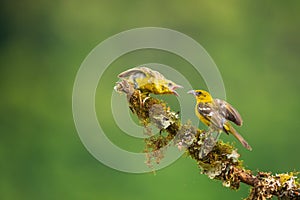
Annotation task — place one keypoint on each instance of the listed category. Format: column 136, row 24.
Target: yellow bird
column 149, row 81
column 217, row 113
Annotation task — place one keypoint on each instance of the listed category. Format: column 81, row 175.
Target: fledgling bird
column 149, row 81
column 217, row 113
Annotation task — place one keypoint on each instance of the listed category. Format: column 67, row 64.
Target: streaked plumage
column 217, row 113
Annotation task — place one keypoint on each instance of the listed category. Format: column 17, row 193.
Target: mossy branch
column 218, row 160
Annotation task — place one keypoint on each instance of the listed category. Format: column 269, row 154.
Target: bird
column 217, row 114
column 149, row 81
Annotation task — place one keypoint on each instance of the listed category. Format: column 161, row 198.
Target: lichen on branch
column 216, row 159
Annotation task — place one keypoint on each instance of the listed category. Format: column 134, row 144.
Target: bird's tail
column 239, row 137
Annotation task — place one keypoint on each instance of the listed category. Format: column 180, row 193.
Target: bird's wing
column 207, row 111
column 228, row 112
column 139, row 76
column 134, row 72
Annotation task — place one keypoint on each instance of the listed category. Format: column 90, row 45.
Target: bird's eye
column 170, row 84
column 199, row 93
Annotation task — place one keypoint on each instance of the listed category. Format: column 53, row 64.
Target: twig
column 217, row 160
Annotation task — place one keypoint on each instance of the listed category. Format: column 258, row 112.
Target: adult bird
column 217, row 114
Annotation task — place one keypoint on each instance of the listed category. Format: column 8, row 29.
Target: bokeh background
column 255, row 45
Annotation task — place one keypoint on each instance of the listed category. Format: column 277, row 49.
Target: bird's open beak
column 192, row 92
column 175, row 93
column 174, row 88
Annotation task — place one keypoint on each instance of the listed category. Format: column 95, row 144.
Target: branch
column 218, row 160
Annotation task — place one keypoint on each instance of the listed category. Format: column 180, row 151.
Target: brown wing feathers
column 229, row 112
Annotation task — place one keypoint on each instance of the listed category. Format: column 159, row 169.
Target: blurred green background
column 255, row 44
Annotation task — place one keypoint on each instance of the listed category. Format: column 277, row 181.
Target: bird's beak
column 174, row 88
column 177, row 86
column 175, row 93
column 192, row 92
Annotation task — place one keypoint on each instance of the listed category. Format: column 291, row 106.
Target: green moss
column 218, row 160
